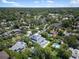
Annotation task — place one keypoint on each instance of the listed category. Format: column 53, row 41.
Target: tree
column 45, row 34
column 64, row 54
column 27, row 40
column 60, row 33
column 71, row 41
column 67, row 23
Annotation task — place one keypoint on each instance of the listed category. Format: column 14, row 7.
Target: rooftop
column 40, row 40
column 75, row 53
column 4, row 55
column 18, row 46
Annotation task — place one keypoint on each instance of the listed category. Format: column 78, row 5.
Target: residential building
column 40, row 40
column 18, row 46
column 54, row 33
column 67, row 33
column 57, row 25
column 29, row 33
column 11, row 33
column 75, row 53
column 4, row 55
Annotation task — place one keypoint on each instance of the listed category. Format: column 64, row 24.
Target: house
column 11, row 33
column 67, row 33
column 16, row 30
column 65, row 18
column 29, row 57
column 40, row 40
column 75, row 53
column 57, row 25
column 53, row 15
column 4, row 55
column 77, row 25
column 29, row 33
column 70, row 16
column 49, row 35
column 37, row 28
column 54, row 33
column 56, row 45
column 18, row 46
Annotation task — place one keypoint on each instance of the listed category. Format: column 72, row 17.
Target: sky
column 39, row 3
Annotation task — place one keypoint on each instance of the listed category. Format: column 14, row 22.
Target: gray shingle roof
column 40, row 40
column 18, row 46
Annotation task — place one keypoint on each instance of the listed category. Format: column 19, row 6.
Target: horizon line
column 39, row 7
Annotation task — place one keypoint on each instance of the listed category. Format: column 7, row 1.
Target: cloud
column 44, row 1
column 13, row 4
column 18, row 5
column 50, row 1
column 74, row 1
column 6, row 1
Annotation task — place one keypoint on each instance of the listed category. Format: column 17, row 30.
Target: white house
column 18, row 46
column 75, row 53
column 29, row 33
column 40, row 40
